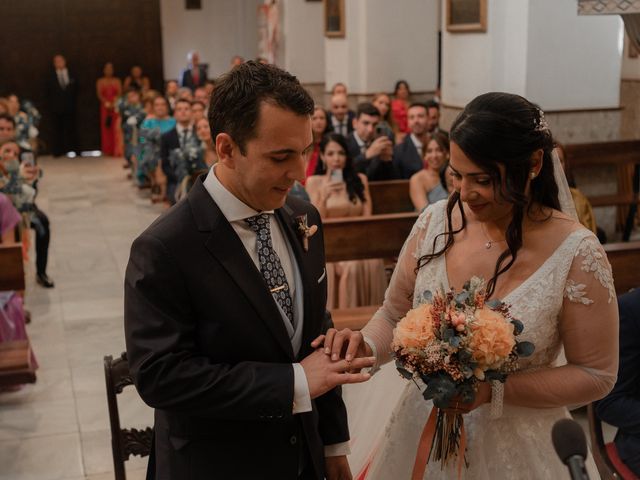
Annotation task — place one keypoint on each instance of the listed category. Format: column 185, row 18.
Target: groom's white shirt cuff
column 301, row 396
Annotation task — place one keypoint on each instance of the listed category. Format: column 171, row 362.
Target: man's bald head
column 339, row 106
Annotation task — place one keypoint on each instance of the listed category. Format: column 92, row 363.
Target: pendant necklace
column 490, row 242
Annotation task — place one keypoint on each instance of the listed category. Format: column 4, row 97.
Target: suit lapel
column 286, row 218
column 224, row 244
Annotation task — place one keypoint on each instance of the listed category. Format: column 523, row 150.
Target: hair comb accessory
column 540, row 123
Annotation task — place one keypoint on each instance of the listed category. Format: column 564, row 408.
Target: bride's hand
column 483, row 395
column 341, row 343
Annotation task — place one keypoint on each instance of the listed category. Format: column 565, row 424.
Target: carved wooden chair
column 124, row 441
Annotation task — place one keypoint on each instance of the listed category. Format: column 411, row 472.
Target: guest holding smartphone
column 338, row 191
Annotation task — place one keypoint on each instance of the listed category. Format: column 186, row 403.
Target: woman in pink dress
column 109, row 88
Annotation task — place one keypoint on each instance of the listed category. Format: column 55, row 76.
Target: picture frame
column 334, row 20
column 466, row 16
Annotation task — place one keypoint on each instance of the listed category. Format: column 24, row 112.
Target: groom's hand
column 324, row 375
column 337, row 468
column 346, row 343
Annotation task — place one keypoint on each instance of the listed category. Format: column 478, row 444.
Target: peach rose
column 492, row 338
column 415, row 330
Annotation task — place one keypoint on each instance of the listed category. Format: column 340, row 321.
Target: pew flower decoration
column 305, row 232
column 452, row 341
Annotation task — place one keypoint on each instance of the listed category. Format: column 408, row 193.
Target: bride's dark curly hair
column 503, row 129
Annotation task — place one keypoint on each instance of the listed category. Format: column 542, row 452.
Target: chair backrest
column 12, row 272
column 124, row 442
column 598, row 448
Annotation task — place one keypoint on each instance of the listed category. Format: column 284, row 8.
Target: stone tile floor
column 58, row 429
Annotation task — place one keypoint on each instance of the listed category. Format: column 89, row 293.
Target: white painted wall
column 540, row 49
column 302, row 39
column 630, row 66
column 220, row 30
column 573, row 61
column 385, row 41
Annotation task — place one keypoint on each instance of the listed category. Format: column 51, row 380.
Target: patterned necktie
column 185, row 136
column 270, row 265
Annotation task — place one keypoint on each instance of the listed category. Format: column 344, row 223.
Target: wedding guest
column 236, row 60
column 171, row 93
column 429, row 185
column 195, row 75
column 178, row 147
column 137, row 79
column 132, row 113
column 210, row 157
column 408, row 155
column 4, row 105
column 400, row 105
column 198, row 110
column 151, row 130
column 341, row 192
column 26, row 132
column 205, row 156
column 386, row 124
column 209, row 87
column 340, row 118
column 109, row 89
column 339, row 89
column 433, row 118
column 372, row 152
column 61, row 92
column 621, row 408
column 184, row 93
column 200, row 95
column 319, row 127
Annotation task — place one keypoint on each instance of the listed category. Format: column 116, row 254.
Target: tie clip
column 277, row 289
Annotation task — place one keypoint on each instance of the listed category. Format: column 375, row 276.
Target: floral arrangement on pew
column 451, row 342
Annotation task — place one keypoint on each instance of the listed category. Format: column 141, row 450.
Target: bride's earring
column 532, row 175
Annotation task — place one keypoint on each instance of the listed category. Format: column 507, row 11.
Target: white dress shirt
column 340, row 126
column 180, row 129
column 63, row 77
column 417, row 143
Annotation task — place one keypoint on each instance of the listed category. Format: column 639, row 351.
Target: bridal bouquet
column 452, row 341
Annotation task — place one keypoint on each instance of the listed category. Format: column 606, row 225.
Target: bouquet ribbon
column 426, row 443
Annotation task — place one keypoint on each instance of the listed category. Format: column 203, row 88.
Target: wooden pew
column 15, row 356
column 390, row 196
column 382, row 236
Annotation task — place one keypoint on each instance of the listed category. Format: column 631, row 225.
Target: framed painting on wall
column 466, row 16
column 334, row 18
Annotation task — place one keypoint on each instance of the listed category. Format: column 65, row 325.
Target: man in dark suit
column 371, row 151
column 224, row 295
column 433, row 119
column 195, row 75
column 179, row 137
column 340, row 118
column 62, row 91
column 407, row 156
column 621, row 408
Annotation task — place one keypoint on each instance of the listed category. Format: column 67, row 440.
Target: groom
column 223, row 296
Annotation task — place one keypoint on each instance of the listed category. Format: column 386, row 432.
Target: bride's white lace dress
column 570, row 297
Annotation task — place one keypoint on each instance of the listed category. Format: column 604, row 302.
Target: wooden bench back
column 603, row 153
column 390, row 196
column 12, row 271
column 625, row 264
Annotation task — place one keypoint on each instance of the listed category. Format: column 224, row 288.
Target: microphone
column 571, row 446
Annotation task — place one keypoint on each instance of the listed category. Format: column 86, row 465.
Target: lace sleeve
column 588, row 326
column 398, row 299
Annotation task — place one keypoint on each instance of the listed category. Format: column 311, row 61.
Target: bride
column 509, row 221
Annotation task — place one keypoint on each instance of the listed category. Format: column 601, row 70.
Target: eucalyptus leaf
column 455, row 341
column 525, row 349
column 494, row 303
column 518, row 326
column 403, row 371
column 427, row 296
column 448, row 333
column 462, row 297
column 495, row 375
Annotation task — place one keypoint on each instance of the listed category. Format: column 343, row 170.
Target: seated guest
column 621, row 408
column 171, row 94
column 209, row 87
column 200, row 95
column 137, row 80
column 387, row 124
column 319, row 127
column 339, row 89
column 148, row 152
column 372, row 151
column 185, row 94
column 429, row 184
column 236, row 60
column 341, row 192
column 12, row 314
column 407, row 156
column 26, row 133
column 178, row 149
column 209, row 157
column 132, row 114
column 198, row 111
column 205, row 156
column 340, row 118
column 195, row 75
column 433, row 118
column 400, row 105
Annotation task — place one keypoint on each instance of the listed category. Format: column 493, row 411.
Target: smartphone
column 336, row 176
column 27, row 159
column 379, row 131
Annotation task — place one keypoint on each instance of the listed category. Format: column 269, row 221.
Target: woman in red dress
column 400, row 105
column 318, row 128
column 109, row 88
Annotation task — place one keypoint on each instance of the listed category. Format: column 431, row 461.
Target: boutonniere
column 305, row 232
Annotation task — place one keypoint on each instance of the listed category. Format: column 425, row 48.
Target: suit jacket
column 406, row 158
column 621, row 408
column 351, row 115
column 373, row 168
column 209, row 351
column 187, row 77
column 61, row 100
column 168, row 142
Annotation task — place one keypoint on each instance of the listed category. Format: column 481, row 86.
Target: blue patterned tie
column 270, row 265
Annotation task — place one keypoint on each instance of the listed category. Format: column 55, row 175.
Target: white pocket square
column 324, row 274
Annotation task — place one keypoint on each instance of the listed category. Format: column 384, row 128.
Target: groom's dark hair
column 235, row 102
